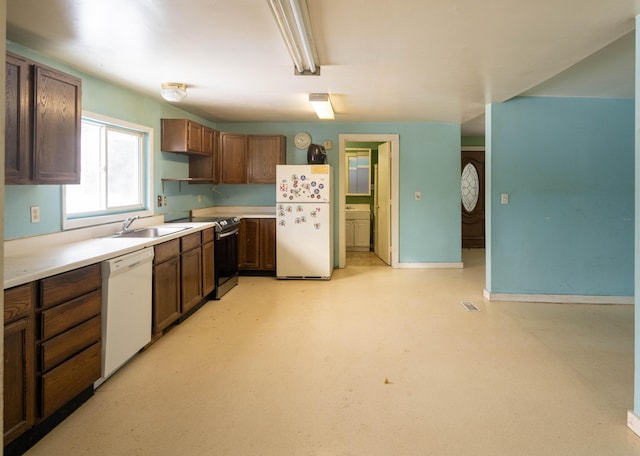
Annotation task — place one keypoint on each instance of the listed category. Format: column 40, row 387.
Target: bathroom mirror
column 358, row 164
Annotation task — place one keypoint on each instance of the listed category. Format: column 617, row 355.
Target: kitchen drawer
column 166, row 250
column 65, row 316
column 190, row 241
column 69, row 379
column 67, row 344
column 68, row 285
column 207, row 235
column 19, row 301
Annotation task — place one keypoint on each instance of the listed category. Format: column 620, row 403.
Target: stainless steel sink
column 154, row 232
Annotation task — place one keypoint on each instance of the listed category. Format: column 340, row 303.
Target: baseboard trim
column 559, row 299
column 430, row 265
column 633, row 422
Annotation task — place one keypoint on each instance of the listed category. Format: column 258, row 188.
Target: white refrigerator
column 304, row 222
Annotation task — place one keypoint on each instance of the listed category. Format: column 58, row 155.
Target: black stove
column 225, row 262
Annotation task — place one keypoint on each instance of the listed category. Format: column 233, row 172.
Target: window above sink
column 116, row 173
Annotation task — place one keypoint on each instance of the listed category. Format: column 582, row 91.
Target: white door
column 382, row 242
column 375, row 208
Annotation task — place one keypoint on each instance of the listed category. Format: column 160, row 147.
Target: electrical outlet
column 199, row 198
column 165, row 200
column 35, row 214
column 418, row 196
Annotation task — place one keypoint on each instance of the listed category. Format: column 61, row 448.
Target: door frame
column 486, row 195
column 394, row 139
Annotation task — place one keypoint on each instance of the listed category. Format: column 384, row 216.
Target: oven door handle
column 229, row 233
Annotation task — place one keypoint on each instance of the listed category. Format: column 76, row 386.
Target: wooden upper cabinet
column 264, row 153
column 224, row 158
column 18, row 125
column 208, row 138
column 186, row 137
column 206, row 166
column 43, row 121
column 56, row 130
column 233, row 158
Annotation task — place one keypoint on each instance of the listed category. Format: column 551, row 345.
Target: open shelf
column 193, row 180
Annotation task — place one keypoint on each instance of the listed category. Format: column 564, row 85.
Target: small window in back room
column 115, row 173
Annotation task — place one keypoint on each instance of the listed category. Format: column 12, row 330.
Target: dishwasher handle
column 127, row 262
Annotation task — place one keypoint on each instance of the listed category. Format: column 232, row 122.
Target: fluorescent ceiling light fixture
column 173, row 91
column 322, row 105
column 293, row 20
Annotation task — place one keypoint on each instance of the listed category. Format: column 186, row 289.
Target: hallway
column 377, row 361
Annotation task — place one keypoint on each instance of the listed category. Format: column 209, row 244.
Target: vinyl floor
column 376, row 361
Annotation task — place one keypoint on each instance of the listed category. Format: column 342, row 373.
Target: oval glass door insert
column 470, row 186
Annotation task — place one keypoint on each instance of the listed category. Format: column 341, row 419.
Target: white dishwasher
column 126, row 308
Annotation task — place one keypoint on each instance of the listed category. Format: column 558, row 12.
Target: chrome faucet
column 128, row 221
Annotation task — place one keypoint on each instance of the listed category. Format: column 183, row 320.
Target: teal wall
column 568, row 167
column 429, row 162
column 430, row 229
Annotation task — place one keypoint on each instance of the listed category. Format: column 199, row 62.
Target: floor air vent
column 470, row 306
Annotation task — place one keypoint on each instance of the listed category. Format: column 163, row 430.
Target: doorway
column 394, row 152
column 472, row 182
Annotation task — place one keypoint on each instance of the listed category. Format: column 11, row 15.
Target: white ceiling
column 381, row 60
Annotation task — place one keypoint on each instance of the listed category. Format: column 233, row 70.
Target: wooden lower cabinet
column 66, row 381
column 190, row 270
column 257, row 244
column 182, row 276
column 52, row 350
column 249, row 244
column 70, row 335
column 191, row 274
column 208, row 274
column 268, row 244
column 166, row 285
column 19, row 360
column 58, row 349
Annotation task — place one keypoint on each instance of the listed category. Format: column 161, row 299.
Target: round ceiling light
column 173, row 91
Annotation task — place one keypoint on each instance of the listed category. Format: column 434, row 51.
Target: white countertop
column 32, row 259
column 37, row 257
column 238, row 211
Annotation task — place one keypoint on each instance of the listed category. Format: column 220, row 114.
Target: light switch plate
column 504, row 198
